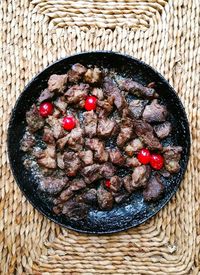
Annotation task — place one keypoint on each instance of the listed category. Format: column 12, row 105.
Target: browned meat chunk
column 57, row 83
column 72, row 163
column 126, row 132
column 104, row 107
column 76, row 73
column 45, row 95
column 90, row 123
column 105, row 198
column 77, row 94
column 145, row 132
column 90, row 196
column 56, row 126
column 98, row 92
column 75, row 210
column 133, row 147
column 107, row 170
column 48, row 136
column 121, row 196
column 47, row 157
column 62, row 142
column 116, row 157
column 140, row 177
column 77, row 184
column 53, row 185
column 106, row 127
column 91, row 173
column 75, row 139
column 172, row 156
column 136, row 88
column 132, row 162
column 27, row 142
column 61, row 104
column 154, row 189
column 163, row 130
column 93, row 76
column 60, row 161
column 100, row 154
column 34, row 119
column 86, row 157
column 111, row 89
column 155, row 112
column 137, row 107
column 115, row 184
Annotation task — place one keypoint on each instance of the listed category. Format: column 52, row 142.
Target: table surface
column 163, row 33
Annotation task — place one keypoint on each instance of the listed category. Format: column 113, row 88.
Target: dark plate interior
column 135, row 211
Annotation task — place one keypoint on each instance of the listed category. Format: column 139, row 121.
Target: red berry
column 68, row 123
column 46, row 109
column 90, row 103
column 107, row 183
column 144, row 156
column 156, row 161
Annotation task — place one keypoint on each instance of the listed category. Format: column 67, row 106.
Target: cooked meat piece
column 136, row 88
column 77, row 94
column 105, row 198
column 76, row 73
column 75, row 210
column 126, row 132
column 155, row 112
column 133, row 147
column 172, row 156
column 93, row 76
column 163, row 130
column 61, row 104
column 140, row 177
column 137, row 107
column 86, row 157
column 60, row 161
column 104, row 107
column 75, row 139
column 164, row 173
column 47, row 157
column 132, row 162
column 111, row 89
column 62, row 142
column 106, row 127
column 77, row 184
column 72, row 163
column 100, row 154
column 121, row 196
column 34, row 119
column 27, row 142
column 116, row 156
column 90, row 123
column 154, row 189
column 52, row 185
column 145, row 132
column 107, row 170
column 48, row 136
column 115, row 184
column 56, row 127
column 57, row 83
column 91, row 173
column 90, row 196
column 98, row 92
column 45, row 95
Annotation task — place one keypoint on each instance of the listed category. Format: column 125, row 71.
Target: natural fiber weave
column 32, row 36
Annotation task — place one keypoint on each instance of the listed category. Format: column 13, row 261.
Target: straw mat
column 164, row 34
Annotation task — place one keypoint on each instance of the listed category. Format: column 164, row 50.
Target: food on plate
column 95, row 138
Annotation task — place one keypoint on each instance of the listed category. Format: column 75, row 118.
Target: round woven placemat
column 164, row 34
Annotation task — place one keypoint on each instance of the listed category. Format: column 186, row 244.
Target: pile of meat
column 82, row 168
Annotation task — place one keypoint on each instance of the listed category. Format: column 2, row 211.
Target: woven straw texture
column 164, row 34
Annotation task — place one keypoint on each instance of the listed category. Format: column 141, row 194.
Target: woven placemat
column 164, row 34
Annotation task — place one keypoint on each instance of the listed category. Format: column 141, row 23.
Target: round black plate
column 135, row 211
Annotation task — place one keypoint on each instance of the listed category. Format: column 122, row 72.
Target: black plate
column 135, row 211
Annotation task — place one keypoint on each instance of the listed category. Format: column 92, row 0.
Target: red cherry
column 107, row 183
column 144, row 156
column 156, row 161
column 68, row 123
column 90, row 103
column 46, row 109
